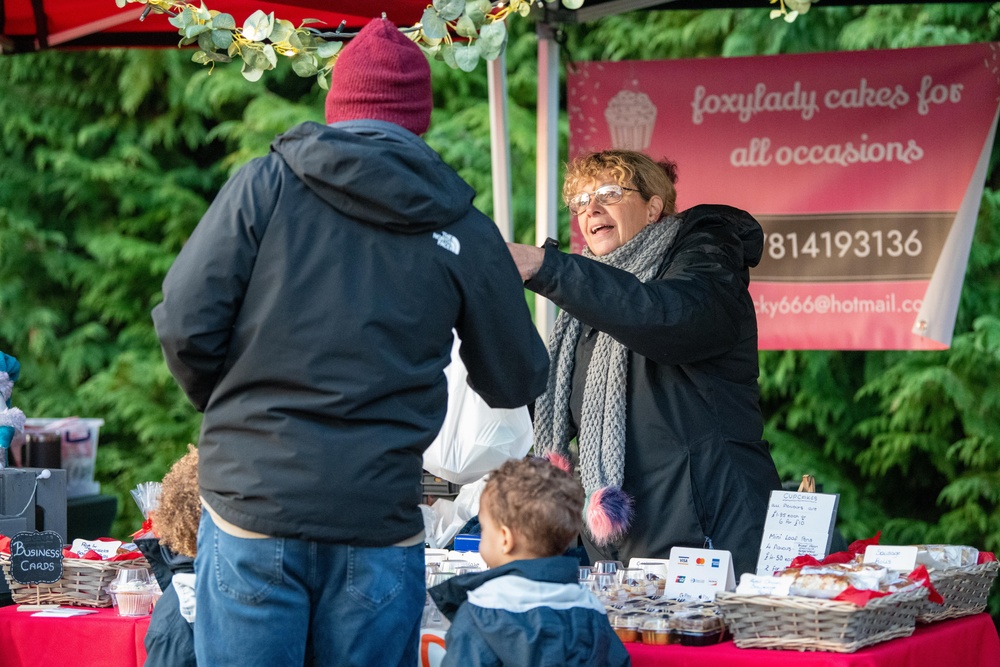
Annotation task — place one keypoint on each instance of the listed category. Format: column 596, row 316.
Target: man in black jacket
column 310, row 317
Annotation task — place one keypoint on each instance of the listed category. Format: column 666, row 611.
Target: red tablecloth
column 104, row 639
column 962, row 642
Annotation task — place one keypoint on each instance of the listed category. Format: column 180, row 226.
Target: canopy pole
column 496, row 77
column 547, row 154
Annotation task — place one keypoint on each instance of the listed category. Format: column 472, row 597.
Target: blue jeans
column 283, row 601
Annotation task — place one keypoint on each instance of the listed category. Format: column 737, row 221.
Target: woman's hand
column 528, row 259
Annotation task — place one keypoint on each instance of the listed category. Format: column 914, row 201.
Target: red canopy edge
column 32, row 25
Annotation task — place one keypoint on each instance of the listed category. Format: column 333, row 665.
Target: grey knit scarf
column 601, row 436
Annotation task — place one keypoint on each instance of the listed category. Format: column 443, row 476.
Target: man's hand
column 528, row 259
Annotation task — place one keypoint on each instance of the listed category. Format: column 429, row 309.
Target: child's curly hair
column 176, row 519
column 540, row 501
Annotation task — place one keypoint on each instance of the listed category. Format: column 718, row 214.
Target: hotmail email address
column 830, row 304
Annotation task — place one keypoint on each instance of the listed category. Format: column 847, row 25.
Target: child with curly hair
column 170, row 638
column 529, row 608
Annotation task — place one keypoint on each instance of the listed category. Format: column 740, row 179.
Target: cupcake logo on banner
column 629, row 113
column 631, row 116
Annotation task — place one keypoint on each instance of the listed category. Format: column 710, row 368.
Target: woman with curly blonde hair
column 654, row 364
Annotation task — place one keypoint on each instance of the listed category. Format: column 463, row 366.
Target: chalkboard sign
column 36, row 558
column 796, row 524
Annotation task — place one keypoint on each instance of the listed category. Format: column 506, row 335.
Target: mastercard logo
column 700, row 561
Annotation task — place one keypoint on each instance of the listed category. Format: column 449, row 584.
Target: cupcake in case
column 630, row 116
column 133, row 592
column 133, row 599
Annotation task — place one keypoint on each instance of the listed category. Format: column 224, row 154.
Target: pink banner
column 864, row 168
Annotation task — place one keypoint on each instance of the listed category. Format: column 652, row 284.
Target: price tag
column 106, row 549
column 755, row 584
column 901, row 559
column 796, row 524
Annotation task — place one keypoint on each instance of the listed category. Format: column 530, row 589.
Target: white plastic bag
column 445, row 518
column 475, row 438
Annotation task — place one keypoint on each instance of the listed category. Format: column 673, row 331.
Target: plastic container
column 656, row 631
column 633, row 581
column 134, row 592
column 78, row 451
column 698, row 627
column 626, row 626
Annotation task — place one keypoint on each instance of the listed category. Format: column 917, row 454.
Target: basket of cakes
column 86, row 573
column 963, row 576
column 839, row 604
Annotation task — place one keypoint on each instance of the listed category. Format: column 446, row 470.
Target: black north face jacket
column 310, row 317
column 695, row 463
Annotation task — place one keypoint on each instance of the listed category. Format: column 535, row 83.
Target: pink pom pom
column 559, row 461
column 609, row 513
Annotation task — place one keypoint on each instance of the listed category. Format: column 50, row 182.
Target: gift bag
column 475, row 438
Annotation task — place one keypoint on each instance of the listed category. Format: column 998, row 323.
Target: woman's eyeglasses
column 606, row 194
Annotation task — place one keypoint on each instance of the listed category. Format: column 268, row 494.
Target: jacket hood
column 376, row 173
column 744, row 228
column 453, row 593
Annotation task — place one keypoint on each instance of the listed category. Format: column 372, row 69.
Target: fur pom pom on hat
column 381, row 75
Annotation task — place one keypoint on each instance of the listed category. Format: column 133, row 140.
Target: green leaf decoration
column 467, row 56
column 449, row 10
column 223, row 22
column 477, row 10
column 492, row 40
column 304, row 64
column 328, row 49
column 204, row 58
column 299, row 41
column 466, row 28
column 448, row 55
column 221, row 39
column 251, row 74
column 271, row 56
column 282, row 31
column 196, row 29
column 433, row 25
column 434, row 52
column 479, row 25
column 258, row 26
column 205, row 41
column 254, row 57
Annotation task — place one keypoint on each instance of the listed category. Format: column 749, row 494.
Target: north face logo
column 447, row 241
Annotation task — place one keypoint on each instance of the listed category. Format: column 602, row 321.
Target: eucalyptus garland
column 459, row 32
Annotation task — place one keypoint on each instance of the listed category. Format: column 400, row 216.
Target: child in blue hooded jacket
column 528, row 608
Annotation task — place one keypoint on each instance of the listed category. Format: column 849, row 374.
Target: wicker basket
column 84, row 582
column 810, row 624
column 964, row 590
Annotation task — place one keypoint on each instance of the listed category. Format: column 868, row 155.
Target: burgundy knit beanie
column 381, row 75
